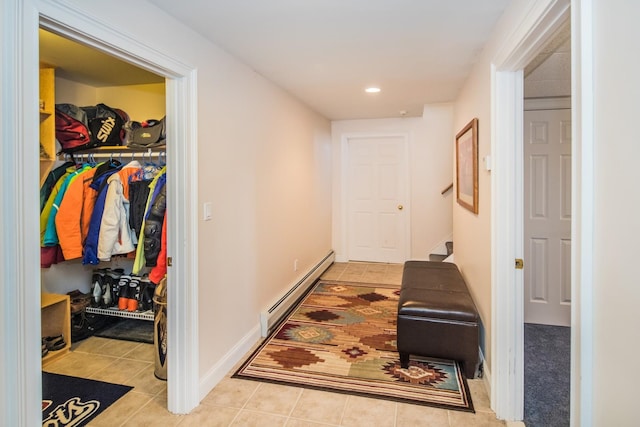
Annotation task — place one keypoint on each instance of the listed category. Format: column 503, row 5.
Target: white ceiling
column 326, row 52
column 549, row 74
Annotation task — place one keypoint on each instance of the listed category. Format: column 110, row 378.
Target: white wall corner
column 227, row 362
column 428, row 108
column 341, row 257
column 441, row 247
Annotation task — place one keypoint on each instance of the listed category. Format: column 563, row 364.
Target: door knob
column 400, row 207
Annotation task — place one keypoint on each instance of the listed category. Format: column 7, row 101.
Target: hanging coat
column 139, row 263
column 74, row 214
column 116, row 237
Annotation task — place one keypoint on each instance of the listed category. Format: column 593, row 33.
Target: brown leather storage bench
column 436, row 315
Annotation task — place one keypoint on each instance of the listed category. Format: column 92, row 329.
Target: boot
column 123, row 292
column 146, row 294
column 97, row 285
column 134, row 294
column 112, row 278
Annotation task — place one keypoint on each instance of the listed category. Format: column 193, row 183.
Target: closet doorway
column 181, row 162
column 547, row 178
column 108, row 334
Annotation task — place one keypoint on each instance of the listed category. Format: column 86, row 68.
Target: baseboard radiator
column 270, row 317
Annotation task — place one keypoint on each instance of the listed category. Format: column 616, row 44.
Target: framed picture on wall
column 467, row 166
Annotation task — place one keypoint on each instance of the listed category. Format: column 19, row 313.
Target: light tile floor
column 236, row 402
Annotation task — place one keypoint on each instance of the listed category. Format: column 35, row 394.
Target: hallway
column 236, row 402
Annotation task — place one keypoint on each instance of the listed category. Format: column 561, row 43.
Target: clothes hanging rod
column 116, row 154
column 121, row 149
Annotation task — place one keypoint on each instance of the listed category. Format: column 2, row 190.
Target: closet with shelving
column 71, row 73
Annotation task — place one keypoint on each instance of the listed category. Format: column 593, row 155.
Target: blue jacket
column 90, row 255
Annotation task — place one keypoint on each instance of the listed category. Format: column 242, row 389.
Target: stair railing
column 449, row 187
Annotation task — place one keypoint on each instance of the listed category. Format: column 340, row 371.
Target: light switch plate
column 487, row 162
column 206, row 211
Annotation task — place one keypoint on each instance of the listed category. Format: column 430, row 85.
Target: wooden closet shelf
column 55, row 320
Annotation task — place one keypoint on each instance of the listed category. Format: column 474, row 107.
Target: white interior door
column 377, row 196
column 547, row 217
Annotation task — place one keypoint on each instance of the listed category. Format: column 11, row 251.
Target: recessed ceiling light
column 372, row 90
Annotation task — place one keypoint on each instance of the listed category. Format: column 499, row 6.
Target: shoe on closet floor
column 54, row 343
column 78, row 301
column 85, row 325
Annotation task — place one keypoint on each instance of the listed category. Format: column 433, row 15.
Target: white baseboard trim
column 228, row 361
column 486, row 376
column 269, row 317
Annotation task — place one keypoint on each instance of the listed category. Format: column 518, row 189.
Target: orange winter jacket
column 74, row 213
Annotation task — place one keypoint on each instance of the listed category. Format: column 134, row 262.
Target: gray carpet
column 547, row 365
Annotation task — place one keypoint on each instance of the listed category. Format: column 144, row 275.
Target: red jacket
column 157, row 273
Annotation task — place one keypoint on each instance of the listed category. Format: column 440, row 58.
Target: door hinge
column 169, row 261
column 519, row 264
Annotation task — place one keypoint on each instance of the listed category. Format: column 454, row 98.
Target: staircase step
column 449, row 246
column 437, row 257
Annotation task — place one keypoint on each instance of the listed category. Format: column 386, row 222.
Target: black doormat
column 76, row 401
column 136, row 330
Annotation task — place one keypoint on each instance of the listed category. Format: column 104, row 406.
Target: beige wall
column 264, row 164
column 429, row 140
column 140, row 102
column 71, row 92
column 472, row 232
column 616, row 288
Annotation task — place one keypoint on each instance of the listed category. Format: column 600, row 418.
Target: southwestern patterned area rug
column 342, row 338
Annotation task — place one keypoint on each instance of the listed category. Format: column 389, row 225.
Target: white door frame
column 507, row 388
column 582, row 221
column 21, row 390
column 343, row 253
